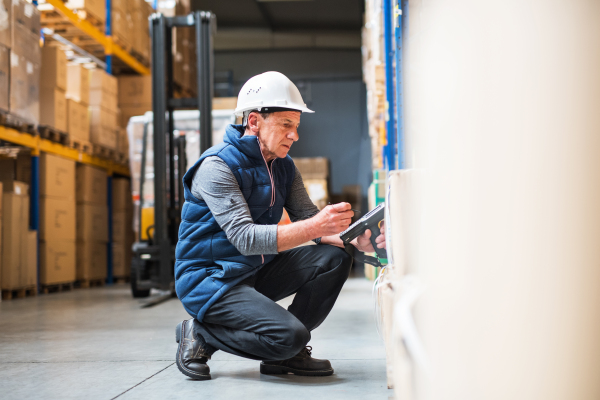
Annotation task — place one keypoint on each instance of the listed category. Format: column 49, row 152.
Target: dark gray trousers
column 247, row 322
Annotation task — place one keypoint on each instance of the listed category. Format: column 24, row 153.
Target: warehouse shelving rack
column 394, row 21
column 39, row 145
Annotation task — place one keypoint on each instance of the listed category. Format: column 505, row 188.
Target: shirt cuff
column 317, row 240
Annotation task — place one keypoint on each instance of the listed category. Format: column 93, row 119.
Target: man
column 233, row 260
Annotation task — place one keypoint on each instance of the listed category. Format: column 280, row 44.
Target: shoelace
column 307, row 350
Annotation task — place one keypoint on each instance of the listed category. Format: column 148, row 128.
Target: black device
column 371, row 221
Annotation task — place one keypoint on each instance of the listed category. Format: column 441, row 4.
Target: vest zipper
column 272, row 182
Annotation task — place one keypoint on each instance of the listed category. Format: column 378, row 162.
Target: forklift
column 153, row 257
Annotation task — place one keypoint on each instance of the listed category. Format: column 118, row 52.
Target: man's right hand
column 333, row 219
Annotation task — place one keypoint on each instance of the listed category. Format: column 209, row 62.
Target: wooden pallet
column 121, row 158
column 53, row 134
column 9, row 294
column 81, row 145
column 124, row 44
column 122, row 279
column 18, row 123
column 101, row 151
column 87, row 283
column 57, row 287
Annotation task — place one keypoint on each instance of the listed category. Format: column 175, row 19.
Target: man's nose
column 293, row 135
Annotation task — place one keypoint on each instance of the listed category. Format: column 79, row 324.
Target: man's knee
column 338, row 259
column 294, row 338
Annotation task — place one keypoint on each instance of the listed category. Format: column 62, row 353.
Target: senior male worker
column 233, row 260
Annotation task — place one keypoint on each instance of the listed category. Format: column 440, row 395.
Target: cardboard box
column 121, row 260
column 122, row 27
column 123, row 141
column 57, row 219
column 317, row 191
column 224, row 103
column 15, row 225
column 100, row 116
column 29, row 258
column 54, row 68
column 57, row 261
column 6, row 26
column 126, row 112
column 57, row 177
column 78, row 125
column 135, row 91
column 27, row 15
column 104, row 136
column 25, row 57
column 104, row 100
column 91, row 187
column 23, row 168
column 92, row 222
column 121, row 195
column 4, row 77
column 53, row 111
column 94, row 8
column 100, row 80
column 7, row 169
column 78, row 83
column 16, row 187
column 312, row 167
column 120, row 224
column 91, row 260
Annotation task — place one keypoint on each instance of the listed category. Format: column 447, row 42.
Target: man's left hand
column 363, row 242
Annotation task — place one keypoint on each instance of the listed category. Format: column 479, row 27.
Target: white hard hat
column 270, row 91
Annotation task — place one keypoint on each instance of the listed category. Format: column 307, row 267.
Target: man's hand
column 333, row 219
column 363, row 242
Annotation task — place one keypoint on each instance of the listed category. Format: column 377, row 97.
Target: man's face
column 277, row 133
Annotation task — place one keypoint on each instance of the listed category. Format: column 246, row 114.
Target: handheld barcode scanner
column 371, row 221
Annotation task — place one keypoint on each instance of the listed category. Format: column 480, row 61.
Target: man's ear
column 253, row 121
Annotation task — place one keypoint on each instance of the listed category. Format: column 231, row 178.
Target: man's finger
column 340, row 207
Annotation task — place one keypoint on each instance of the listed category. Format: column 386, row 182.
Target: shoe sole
column 179, row 361
column 267, row 369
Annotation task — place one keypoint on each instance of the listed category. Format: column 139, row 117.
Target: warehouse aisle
column 99, row 344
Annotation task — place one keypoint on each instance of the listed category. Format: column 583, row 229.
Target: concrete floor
column 99, row 344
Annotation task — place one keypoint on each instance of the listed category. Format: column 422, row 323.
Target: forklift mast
column 153, row 261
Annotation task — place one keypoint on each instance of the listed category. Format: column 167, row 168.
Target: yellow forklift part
column 147, row 221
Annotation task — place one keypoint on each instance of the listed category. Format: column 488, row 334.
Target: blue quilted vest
column 207, row 265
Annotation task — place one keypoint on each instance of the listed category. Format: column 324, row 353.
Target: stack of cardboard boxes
column 92, row 10
column 122, row 227
column 141, row 11
column 122, row 30
column 57, row 220
column 78, row 94
column 92, row 223
column 18, row 244
column 53, row 84
column 103, row 109
column 315, row 175
column 135, row 97
column 21, row 32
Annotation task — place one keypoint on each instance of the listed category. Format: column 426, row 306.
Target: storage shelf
column 106, row 42
column 38, row 145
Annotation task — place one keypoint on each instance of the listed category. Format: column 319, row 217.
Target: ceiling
column 244, row 24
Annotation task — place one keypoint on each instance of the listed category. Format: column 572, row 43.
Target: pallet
column 9, row 294
column 80, row 145
column 18, row 123
column 88, row 283
column 121, row 158
column 122, row 279
column 124, row 44
column 101, row 151
column 53, row 134
column 57, row 287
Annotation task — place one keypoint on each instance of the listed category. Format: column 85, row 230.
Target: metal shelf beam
column 110, row 47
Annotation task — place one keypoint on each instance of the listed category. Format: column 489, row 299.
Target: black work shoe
column 301, row 364
column 191, row 356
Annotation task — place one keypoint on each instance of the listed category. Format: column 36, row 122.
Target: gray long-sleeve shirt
column 215, row 184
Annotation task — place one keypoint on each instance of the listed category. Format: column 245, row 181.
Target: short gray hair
column 265, row 115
